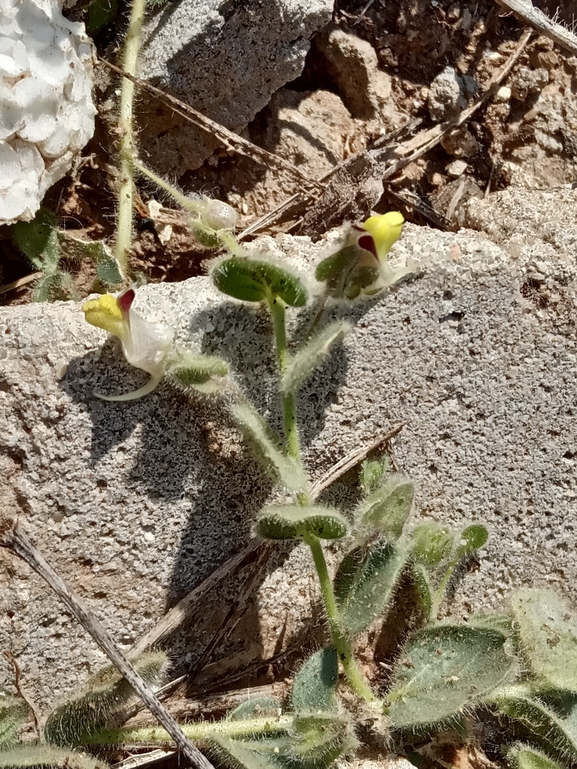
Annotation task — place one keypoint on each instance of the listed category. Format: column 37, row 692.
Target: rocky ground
column 376, row 68
column 478, row 363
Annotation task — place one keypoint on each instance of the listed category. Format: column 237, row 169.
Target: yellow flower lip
column 385, row 229
column 105, row 312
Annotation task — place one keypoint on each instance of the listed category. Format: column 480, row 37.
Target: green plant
column 500, row 665
column 47, row 247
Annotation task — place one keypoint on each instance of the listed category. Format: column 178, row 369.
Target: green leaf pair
column 258, row 280
column 349, row 272
column 433, row 543
column 295, row 522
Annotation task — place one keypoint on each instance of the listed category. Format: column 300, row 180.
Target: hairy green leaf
column 38, row 241
column 266, row 448
column 247, row 754
column 348, row 272
column 314, row 684
column 547, row 627
column 90, row 709
column 257, row 280
column 432, row 543
column 543, row 726
column 314, row 742
column 385, row 511
column 472, row 538
column 48, row 757
column 312, row 355
column 49, row 288
column 365, row 584
column 197, row 373
column 13, row 712
column 294, row 521
column 318, row 740
column 374, row 474
column 522, row 756
column 423, row 586
column 445, row 669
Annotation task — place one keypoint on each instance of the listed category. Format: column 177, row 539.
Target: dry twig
column 526, row 11
column 13, row 537
column 378, row 165
column 229, row 139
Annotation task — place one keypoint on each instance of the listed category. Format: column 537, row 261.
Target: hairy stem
column 226, row 237
column 355, row 677
column 127, row 144
column 440, row 592
column 203, row 730
column 182, row 200
column 277, row 310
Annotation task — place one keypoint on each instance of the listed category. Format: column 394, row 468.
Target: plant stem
column 182, row 200
column 226, row 237
column 202, row 730
column 343, row 647
column 277, row 310
column 127, row 144
column 440, row 592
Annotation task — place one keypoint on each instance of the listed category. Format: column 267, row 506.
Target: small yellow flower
column 360, row 265
column 145, row 344
column 385, row 229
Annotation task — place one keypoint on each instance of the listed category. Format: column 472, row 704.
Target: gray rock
column 226, row 60
column 446, row 95
column 135, row 503
column 362, row 85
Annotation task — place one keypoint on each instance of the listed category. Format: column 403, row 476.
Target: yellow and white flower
column 360, row 265
column 145, row 344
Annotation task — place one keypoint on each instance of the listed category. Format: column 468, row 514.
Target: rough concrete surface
column 224, row 58
column 136, row 502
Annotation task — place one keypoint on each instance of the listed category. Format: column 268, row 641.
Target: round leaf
column 257, row 280
column 445, row 669
column 431, row 544
column 473, row 538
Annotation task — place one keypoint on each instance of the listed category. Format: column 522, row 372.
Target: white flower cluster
column 46, row 108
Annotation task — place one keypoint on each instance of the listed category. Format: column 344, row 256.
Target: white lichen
column 46, row 108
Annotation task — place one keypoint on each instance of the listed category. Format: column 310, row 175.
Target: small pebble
column 503, row 94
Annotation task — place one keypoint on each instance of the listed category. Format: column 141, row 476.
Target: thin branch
column 35, row 715
column 20, row 282
column 229, row 139
column 13, row 538
column 526, row 11
column 426, row 140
